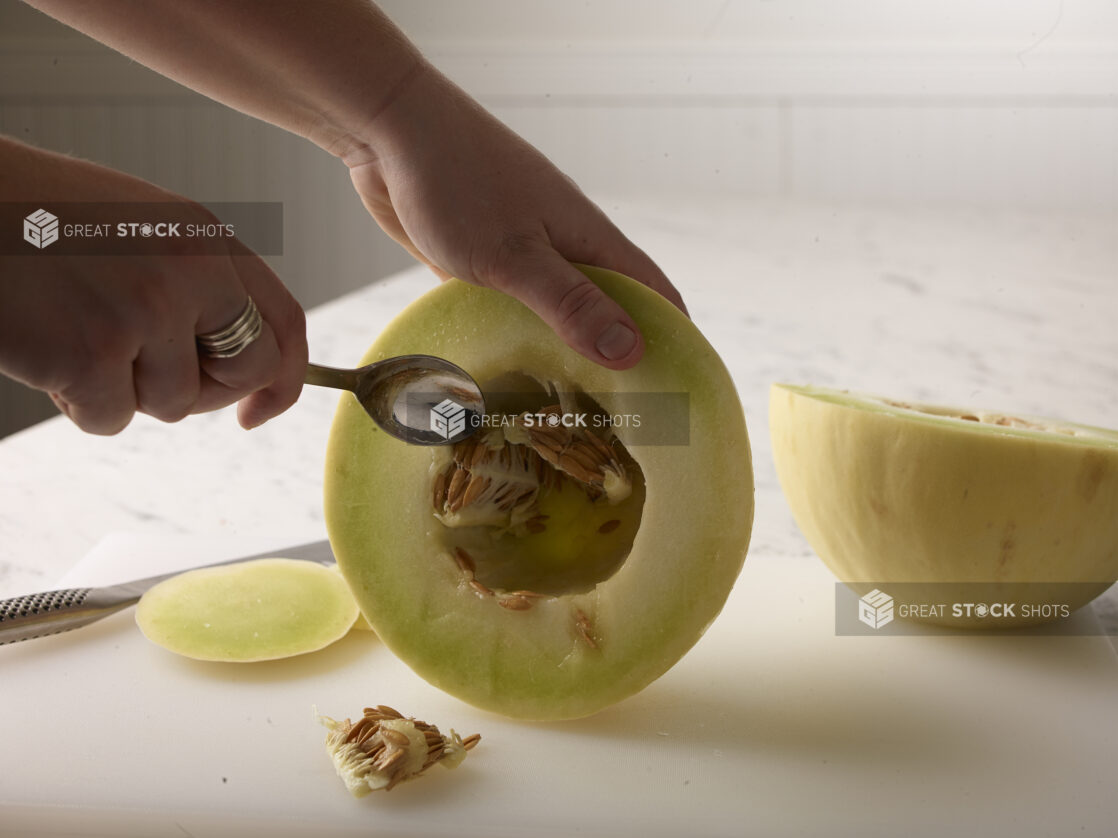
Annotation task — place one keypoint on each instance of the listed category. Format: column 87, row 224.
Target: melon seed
column 382, row 749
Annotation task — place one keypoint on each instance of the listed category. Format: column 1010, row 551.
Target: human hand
column 443, row 177
column 111, row 335
column 471, row 199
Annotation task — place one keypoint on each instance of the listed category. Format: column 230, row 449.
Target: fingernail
column 616, row 342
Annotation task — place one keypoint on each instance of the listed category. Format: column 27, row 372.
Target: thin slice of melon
column 251, row 611
column 549, row 592
column 960, row 505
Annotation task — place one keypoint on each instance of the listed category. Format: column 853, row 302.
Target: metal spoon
column 420, row 399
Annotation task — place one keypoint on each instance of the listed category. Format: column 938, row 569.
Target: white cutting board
column 771, row 726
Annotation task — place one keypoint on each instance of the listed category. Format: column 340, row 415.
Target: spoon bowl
column 420, row 399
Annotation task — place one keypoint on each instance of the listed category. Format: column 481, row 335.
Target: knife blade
column 51, row 612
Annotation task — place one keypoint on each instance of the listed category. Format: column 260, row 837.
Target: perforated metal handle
column 51, row 612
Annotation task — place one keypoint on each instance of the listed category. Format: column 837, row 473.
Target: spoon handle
column 331, row 377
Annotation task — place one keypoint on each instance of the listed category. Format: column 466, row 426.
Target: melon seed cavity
column 533, row 509
column 984, row 418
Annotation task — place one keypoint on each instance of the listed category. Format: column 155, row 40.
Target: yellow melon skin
column 898, row 494
column 685, row 557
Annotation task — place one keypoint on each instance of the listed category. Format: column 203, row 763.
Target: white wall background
column 976, row 103
column 979, row 102
column 1012, row 24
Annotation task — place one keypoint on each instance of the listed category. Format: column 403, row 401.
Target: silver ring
column 232, row 340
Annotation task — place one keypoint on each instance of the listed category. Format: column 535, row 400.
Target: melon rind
column 257, row 610
column 898, row 494
column 690, row 547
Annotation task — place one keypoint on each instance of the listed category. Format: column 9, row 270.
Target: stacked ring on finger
column 231, row 340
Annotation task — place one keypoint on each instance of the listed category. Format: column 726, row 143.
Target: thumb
column 579, row 312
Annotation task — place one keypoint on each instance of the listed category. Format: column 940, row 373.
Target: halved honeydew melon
column 251, row 611
column 974, row 505
column 360, row 624
column 533, row 571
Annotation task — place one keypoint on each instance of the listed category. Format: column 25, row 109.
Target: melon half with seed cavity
column 969, row 506
column 546, row 567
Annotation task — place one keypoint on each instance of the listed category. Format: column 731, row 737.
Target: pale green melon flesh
column 250, row 611
column 888, row 491
column 685, row 539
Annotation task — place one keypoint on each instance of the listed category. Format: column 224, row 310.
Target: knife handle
column 51, row 612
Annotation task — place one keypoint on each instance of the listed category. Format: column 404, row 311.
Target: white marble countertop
column 1001, row 310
